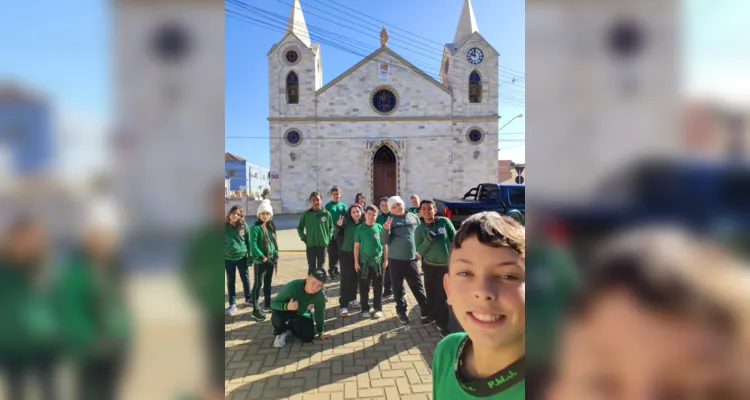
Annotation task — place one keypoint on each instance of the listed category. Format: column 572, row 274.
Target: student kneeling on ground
column 485, row 285
column 292, row 309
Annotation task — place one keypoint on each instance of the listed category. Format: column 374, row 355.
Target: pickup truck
column 506, row 199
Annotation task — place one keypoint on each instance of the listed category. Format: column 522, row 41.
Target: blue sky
column 502, row 23
column 62, row 48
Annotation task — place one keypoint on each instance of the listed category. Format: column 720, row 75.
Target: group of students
column 70, row 310
column 380, row 248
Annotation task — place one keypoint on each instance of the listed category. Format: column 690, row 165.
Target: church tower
column 470, row 68
column 295, row 71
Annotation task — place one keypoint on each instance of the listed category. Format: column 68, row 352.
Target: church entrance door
column 384, row 174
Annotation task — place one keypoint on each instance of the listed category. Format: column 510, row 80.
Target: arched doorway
column 383, row 173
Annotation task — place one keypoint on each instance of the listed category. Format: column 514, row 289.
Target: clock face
column 475, row 55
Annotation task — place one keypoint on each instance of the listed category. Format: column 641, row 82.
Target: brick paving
column 365, row 359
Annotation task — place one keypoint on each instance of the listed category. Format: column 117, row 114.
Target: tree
column 266, row 193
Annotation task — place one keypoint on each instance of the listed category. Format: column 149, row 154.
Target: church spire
column 296, row 24
column 466, row 23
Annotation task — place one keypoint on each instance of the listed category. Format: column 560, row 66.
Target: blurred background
column 638, row 114
column 111, row 135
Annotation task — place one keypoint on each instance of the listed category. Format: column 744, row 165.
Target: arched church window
column 292, row 88
column 475, row 88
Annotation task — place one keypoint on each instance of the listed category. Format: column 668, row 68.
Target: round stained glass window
column 292, row 56
column 293, row 138
column 475, row 136
column 384, row 101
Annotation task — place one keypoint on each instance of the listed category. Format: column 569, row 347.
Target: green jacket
column 400, row 238
column 435, row 251
column 316, row 228
column 26, row 314
column 350, row 228
column 296, row 290
column 382, row 218
column 236, row 242
column 259, row 237
column 201, row 275
column 93, row 311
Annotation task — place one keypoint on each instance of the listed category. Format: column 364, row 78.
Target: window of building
column 292, row 88
column 475, row 88
column 475, row 136
column 293, row 137
column 291, row 57
column 384, row 101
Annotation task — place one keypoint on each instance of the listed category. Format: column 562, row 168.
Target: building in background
column 245, row 176
column 398, row 130
column 508, row 172
column 26, row 137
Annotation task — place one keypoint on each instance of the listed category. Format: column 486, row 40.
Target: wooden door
column 384, row 174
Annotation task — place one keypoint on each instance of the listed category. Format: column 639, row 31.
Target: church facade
column 383, row 127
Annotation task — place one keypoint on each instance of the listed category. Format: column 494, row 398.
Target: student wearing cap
column 398, row 235
column 294, row 307
column 265, row 255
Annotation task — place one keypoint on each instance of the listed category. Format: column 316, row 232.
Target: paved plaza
column 365, row 359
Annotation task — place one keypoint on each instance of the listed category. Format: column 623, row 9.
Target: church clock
column 475, row 55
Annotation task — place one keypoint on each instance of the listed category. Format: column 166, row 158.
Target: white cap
column 265, row 206
column 395, row 200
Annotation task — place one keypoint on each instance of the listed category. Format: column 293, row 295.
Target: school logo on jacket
column 441, row 231
column 242, row 232
column 310, row 307
column 323, row 218
column 410, row 218
column 376, row 236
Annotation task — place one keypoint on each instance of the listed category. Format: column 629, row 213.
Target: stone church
column 383, row 127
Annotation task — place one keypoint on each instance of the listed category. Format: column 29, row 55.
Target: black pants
column 231, row 267
column 436, row 298
column 349, row 279
column 376, row 281
column 333, row 255
column 99, row 377
column 263, row 275
column 316, row 258
column 301, row 327
column 407, row 269
column 387, row 282
column 18, row 371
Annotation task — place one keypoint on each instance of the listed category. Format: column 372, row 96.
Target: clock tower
column 470, row 68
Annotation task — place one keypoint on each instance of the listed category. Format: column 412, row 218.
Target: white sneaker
column 377, row 314
column 344, row 312
column 280, row 341
column 366, row 314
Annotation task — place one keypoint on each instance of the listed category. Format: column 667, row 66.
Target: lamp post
column 511, row 120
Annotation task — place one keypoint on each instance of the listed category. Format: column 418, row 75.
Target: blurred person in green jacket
column 315, row 229
column 236, row 248
column 28, row 333
column 204, row 284
column 95, row 322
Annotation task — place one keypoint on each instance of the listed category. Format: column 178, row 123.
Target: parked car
column 506, row 199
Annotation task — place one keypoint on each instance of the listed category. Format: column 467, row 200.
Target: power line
column 515, row 76
column 367, row 137
column 508, row 99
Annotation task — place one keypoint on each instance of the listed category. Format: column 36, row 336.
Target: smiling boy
column 485, row 285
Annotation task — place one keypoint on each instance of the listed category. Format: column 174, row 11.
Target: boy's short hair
column 427, row 202
column 672, row 273
column 371, row 207
column 495, row 230
column 384, row 199
column 320, row 275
